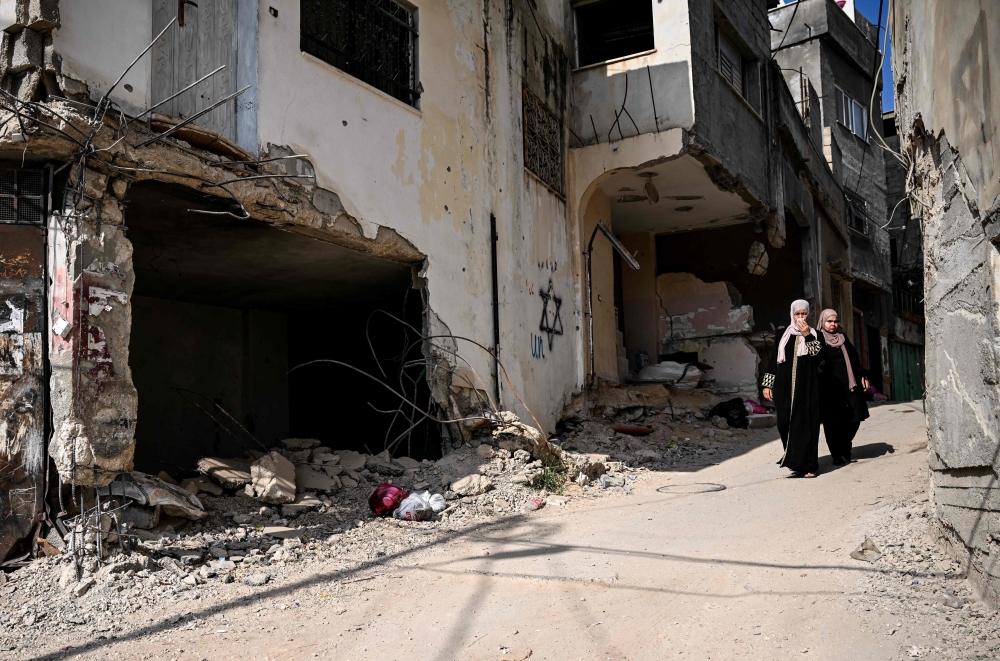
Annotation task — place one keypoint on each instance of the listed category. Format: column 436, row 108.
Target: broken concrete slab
column 408, row 463
column 302, row 503
column 273, row 479
column 307, row 478
column 230, row 473
column 351, row 460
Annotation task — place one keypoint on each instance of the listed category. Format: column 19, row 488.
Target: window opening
column 851, row 114
column 543, row 141
column 613, row 28
column 22, row 196
column 730, row 62
column 857, row 212
column 373, row 40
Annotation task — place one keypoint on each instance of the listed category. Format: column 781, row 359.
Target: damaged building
column 830, row 57
column 694, row 155
column 231, row 224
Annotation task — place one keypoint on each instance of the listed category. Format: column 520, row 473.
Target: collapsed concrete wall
column 708, row 319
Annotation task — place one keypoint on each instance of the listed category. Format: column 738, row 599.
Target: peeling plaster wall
column 942, row 60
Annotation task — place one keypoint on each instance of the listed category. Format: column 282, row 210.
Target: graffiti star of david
column 554, row 326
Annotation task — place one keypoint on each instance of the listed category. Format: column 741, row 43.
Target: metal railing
column 372, row 40
column 907, row 302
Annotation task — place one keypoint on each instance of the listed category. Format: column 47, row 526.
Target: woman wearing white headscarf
column 842, row 381
column 792, row 383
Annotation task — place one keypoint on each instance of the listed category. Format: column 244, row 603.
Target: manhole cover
column 697, row 487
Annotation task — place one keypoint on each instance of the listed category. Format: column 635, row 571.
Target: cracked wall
column 942, row 61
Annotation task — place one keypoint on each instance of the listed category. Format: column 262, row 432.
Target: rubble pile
column 918, row 596
column 246, row 523
column 655, row 436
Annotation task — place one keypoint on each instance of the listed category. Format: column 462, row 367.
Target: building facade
column 945, row 117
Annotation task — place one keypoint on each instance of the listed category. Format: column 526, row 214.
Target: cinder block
column 26, row 50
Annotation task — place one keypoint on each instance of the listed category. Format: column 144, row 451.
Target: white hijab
column 792, row 330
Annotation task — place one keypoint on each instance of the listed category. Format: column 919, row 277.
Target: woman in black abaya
column 842, row 384
column 792, row 383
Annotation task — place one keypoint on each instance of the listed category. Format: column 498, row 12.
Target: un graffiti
column 537, row 347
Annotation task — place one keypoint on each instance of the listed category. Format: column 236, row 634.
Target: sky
column 869, row 8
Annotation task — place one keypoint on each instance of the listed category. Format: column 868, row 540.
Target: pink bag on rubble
column 757, row 408
column 386, row 498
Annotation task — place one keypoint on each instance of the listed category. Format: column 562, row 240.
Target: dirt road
column 682, row 568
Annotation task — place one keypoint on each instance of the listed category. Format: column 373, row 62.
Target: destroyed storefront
column 157, row 311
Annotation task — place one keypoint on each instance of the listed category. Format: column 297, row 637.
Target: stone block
column 299, row 443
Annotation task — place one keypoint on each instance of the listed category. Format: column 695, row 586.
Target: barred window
column 22, row 196
column 373, row 40
column 543, row 141
column 730, row 63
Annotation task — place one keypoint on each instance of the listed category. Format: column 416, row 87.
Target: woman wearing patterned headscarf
column 792, row 383
column 842, row 382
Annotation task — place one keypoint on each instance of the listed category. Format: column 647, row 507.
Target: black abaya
column 841, row 409
column 798, row 411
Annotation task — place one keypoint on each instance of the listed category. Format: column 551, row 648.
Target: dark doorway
column 224, row 308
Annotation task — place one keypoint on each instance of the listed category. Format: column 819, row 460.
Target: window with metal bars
column 373, row 40
column 22, row 196
column 543, row 141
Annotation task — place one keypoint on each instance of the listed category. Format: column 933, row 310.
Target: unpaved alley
column 725, row 561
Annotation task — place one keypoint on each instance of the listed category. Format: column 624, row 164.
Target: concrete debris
column 273, row 479
column 257, row 580
column 867, row 551
column 230, row 473
column 512, row 435
column 307, row 478
column 283, row 532
column 302, row 502
column 198, row 485
column 151, row 491
column 84, row 586
column 472, row 485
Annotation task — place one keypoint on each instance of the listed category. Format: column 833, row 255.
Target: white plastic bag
column 437, row 501
column 420, row 506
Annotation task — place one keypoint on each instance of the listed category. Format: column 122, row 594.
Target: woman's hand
column 864, row 382
column 802, row 325
column 768, row 395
